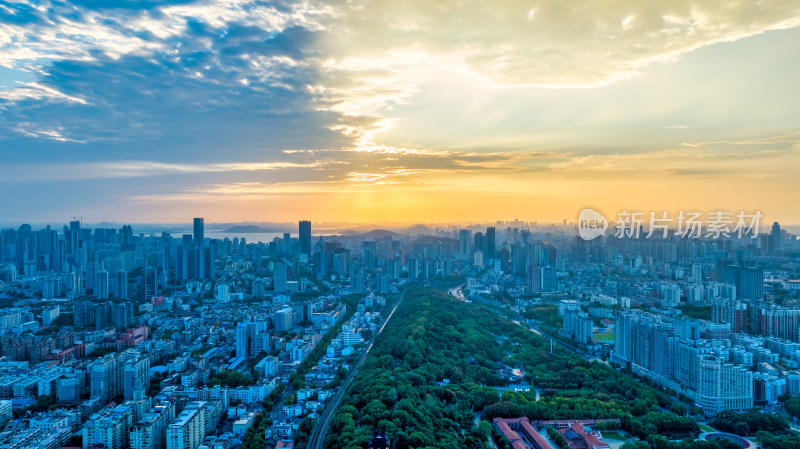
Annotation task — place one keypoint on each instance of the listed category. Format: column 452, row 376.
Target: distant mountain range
column 250, row 229
column 365, row 233
column 372, row 231
column 375, row 234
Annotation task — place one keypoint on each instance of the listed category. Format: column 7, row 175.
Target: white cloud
column 38, row 91
column 379, row 52
column 128, row 168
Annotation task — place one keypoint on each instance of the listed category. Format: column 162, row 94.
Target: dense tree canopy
column 750, row 422
column 433, row 369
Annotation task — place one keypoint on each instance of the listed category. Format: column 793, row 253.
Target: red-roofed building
column 579, row 436
column 74, row 352
column 519, row 445
column 135, row 336
column 521, row 433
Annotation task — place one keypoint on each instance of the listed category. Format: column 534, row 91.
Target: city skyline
column 368, row 112
column 479, row 336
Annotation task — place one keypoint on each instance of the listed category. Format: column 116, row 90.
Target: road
column 317, row 439
column 556, row 341
column 456, row 291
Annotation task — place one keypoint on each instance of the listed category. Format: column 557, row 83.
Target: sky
column 147, row 111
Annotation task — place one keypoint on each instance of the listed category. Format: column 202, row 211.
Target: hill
column 248, row 229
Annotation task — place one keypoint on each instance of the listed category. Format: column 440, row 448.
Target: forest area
column 432, row 371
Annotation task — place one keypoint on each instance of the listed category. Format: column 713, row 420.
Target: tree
column 793, row 406
column 231, row 379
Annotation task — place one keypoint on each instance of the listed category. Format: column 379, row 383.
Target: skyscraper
column 480, row 243
column 280, row 277
column 101, row 285
column 578, row 326
column 465, row 243
column 150, row 282
column 105, row 376
column 243, row 338
column 775, row 238
column 749, row 281
column 135, row 377
column 287, row 243
column 121, row 284
column 491, row 252
column 282, row 319
column 542, row 279
column 199, row 231
column 724, row 386
column 188, row 429
column 305, row 237
column 74, row 236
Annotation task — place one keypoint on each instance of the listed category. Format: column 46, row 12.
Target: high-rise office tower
column 491, row 245
column 305, row 237
column 101, row 285
column 121, row 284
column 465, row 243
column 357, row 283
column 383, row 283
column 184, row 263
column 775, row 238
column 578, row 326
column 121, row 315
column 280, row 277
column 749, row 281
column 282, row 319
column 394, row 269
column 258, row 288
column 542, row 279
column 287, row 243
column 199, row 231
column 105, row 430
column 245, row 336
column 84, row 314
column 126, row 238
column 188, row 429
column 105, row 377
column 321, row 268
column 479, row 243
column 308, row 311
column 549, row 280
column 149, row 282
column 151, row 431
column 724, row 385
column 242, row 340
column 624, row 321
column 74, row 236
column 135, row 377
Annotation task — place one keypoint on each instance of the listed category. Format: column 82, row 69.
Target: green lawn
column 705, row 428
column 605, row 336
column 613, row 436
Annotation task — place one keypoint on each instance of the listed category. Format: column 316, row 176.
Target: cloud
column 304, row 96
column 381, row 52
column 342, row 66
column 546, row 42
column 722, row 159
column 210, row 81
column 133, row 169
